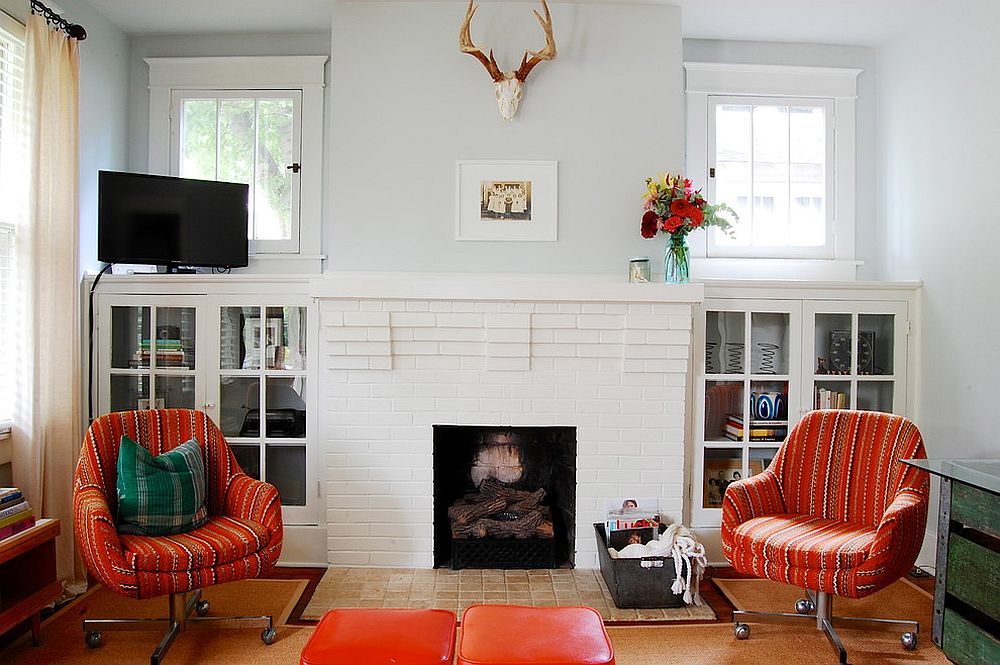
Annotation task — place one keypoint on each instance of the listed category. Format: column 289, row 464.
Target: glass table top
column 981, row 473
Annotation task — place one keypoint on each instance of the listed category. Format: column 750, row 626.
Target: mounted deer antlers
column 508, row 84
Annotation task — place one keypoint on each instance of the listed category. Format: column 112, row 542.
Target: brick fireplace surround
column 402, row 353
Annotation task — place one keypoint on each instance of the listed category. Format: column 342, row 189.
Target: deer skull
column 509, row 85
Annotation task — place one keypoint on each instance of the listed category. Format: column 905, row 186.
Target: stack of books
column 760, row 430
column 169, row 353
column 15, row 513
column 831, row 399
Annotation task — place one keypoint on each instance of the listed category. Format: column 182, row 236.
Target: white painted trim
column 771, row 80
column 305, row 73
column 11, row 25
column 764, row 268
column 237, row 73
column 839, row 84
column 499, row 286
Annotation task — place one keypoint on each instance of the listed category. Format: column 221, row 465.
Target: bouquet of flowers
column 675, row 207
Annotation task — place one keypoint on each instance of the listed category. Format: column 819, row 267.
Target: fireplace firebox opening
column 504, row 497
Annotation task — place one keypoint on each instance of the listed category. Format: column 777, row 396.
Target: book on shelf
column 10, row 496
column 17, row 527
column 15, row 517
column 831, row 399
column 12, row 509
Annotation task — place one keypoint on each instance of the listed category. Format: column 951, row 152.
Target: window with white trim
column 253, row 120
column 250, row 137
column 12, row 169
column 776, row 143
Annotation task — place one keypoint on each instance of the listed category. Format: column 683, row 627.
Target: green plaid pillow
column 162, row 495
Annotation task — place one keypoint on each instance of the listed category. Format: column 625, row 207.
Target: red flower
column 673, row 223
column 696, row 216
column 649, row 225
column 679, row 207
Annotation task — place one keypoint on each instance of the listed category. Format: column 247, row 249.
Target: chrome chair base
column 182, row 605
column 818, row 608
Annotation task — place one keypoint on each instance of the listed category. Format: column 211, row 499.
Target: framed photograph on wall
column 506, row 200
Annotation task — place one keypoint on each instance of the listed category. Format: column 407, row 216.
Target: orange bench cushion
column 376, row 635
column 515, row 635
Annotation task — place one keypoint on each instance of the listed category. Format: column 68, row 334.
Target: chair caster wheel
column 909, row 641
column 268, row 636
column 805, row 606
column 93, row 639
column 742, row 631
column 202, row 607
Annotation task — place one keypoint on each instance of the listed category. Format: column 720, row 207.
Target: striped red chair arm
column 898, row 538
column 97, row 539
column 257, row 501
column 756, row 496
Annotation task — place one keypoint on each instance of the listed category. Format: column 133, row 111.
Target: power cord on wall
column 90, row 347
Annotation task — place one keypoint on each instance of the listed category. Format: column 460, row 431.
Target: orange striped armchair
column 241, row 539
column 836, row 513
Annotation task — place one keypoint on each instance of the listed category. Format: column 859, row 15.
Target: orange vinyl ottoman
column 515, row 635
column 382, row 636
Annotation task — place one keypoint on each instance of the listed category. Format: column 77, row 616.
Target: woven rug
column 900, row 600
column 456, row 590
column 62, row 633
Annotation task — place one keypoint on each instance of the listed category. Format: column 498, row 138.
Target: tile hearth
column 456, row 590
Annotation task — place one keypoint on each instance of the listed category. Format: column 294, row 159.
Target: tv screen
column 171, row 221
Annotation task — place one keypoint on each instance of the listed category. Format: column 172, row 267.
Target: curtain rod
column 74, row 30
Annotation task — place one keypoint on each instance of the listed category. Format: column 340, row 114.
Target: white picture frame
column 506, row 200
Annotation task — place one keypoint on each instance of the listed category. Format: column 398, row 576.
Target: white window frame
column 706, row 80
column 251, row 74
column 13, row 215
column 178, row 97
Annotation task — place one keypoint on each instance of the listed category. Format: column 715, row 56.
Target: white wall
column 939, row 140
column 824, row 55
column 103, row 107
column 406, row 104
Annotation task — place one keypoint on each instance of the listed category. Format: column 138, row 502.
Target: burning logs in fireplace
column 500, row 511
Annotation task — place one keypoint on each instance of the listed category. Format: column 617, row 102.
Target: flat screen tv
column 171, row 222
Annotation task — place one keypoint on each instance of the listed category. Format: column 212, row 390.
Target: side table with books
column 28, row 580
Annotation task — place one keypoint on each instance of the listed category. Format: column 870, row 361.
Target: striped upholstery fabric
column 242, row 538
column 836, row 511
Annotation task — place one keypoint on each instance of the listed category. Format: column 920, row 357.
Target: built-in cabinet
column 764, row 355
column 245, row 354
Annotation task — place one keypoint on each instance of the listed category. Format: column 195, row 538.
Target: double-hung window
column 252, row 120
column 776, row 144
column 12, row 201
column 245, row 136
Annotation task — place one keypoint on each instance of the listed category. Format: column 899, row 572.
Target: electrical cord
column 90, row 347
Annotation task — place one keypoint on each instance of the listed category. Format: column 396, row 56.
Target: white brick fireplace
column 402, row 353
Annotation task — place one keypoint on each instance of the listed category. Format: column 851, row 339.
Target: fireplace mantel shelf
column 499, row 286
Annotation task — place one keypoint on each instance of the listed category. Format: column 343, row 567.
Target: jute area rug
column 62, row 634
column 456, row 590
column 901, row 600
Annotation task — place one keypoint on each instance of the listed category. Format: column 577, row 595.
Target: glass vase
column 675, row 260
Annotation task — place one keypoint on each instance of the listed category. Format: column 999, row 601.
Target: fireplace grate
column 502, row 553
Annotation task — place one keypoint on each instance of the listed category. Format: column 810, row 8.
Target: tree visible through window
column 246, row 137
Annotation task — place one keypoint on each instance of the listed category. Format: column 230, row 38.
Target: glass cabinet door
column 749, row 369
column 151, row 351
column 263, row 395
column 858, row 348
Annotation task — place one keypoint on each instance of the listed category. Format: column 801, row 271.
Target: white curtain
column 47, row 421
